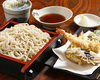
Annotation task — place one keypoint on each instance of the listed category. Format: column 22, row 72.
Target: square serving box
column 21, row 69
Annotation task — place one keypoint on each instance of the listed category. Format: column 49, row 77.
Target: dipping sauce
column 52, row 18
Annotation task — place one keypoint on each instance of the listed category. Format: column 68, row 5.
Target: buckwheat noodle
column 22, row 41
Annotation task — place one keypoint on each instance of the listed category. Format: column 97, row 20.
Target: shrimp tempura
column 79, row 42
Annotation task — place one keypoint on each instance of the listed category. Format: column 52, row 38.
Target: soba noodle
column 22, row 41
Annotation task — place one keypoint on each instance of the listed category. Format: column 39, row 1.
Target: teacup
column 67, row 13
column 21, row 15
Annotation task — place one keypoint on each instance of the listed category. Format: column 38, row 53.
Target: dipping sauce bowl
column 52, row 11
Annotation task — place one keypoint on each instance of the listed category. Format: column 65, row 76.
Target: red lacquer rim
column 37, row 55
column 6, row 23
column 11, row 58
column 8, row 57
column 34, row 58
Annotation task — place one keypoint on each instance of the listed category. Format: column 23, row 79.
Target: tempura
column 79, row 42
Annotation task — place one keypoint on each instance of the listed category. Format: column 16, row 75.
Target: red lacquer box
column 21, row 69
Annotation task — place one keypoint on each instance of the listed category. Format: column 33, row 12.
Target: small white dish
column 67, row 13
column 87, row 20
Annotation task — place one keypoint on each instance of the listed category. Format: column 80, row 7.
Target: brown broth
column 52, row 18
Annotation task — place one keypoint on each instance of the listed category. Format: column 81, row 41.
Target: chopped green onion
column 97, row 32
column 89, row 36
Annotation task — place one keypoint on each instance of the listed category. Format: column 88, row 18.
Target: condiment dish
column 67, row 13
column 87, row 20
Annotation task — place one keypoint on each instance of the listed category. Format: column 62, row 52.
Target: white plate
column 90, row 19
column 65, row 64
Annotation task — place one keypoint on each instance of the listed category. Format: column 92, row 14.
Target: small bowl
column 67, row 13
column 21, row 15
